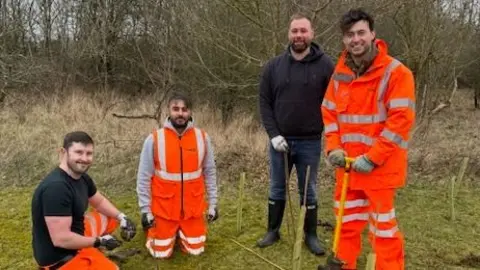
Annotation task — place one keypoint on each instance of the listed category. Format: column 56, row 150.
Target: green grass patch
column 433, row 241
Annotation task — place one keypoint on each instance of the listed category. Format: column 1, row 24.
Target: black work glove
column 127, row 226
column 147, row 221
column 107, row 241
column 212, row 214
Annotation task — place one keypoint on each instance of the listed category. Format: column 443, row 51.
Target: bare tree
column 214, row 50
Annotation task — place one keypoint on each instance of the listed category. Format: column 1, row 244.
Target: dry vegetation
column 32, row 130
column 32, row 134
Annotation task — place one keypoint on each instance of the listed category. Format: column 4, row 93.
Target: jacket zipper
column 182, row 213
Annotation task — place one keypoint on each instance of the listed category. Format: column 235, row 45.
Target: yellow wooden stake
column 297, row 246
column 240, row 202
column 291, row 222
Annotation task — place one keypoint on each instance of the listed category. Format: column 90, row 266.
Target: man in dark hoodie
column 292, row 87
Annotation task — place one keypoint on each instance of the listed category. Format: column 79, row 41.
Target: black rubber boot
column 310, row 228
column 275, row 216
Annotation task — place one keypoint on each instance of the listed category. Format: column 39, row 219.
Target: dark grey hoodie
column 291, row 93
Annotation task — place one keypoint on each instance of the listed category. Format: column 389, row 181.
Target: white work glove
column 127, row 226
column 336, row 158
column 212, row 214
column 279, row 143
column 148, row 221
column 363, row 165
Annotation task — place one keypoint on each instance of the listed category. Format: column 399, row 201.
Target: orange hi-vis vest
column 373, row 115
column 178, row 189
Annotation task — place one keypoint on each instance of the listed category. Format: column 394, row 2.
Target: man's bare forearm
column 71, row 240
column 106, row 208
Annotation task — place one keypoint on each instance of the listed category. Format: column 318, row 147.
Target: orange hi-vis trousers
column 375, row 208
column 162, row 237
column 91, row 258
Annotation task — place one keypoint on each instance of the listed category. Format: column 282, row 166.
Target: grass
column 432, row 241
column 32, row 128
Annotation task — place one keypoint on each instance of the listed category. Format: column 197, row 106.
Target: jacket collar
column 365, row 62
column 379, row 61
column 168, row 125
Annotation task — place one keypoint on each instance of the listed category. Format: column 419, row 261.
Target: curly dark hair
column 353, row 16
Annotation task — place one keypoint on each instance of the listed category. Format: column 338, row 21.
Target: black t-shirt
column 58, row 195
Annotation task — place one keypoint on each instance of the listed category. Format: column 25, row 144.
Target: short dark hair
column 181, row 97
column 76, row 136
column 353, row 16
column 298, row 16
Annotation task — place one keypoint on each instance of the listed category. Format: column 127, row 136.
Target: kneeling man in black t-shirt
column 64, row 236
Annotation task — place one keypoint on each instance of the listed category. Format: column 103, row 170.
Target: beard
column 77, row 167
column 179, row 124
column 299, row 46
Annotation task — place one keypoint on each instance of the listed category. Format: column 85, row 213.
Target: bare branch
column 142, row 116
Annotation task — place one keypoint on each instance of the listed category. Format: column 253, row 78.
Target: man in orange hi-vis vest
column 176, row 170
column 64, row 236
column 369, row 111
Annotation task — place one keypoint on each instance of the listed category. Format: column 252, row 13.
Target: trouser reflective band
column 160, row 248
column 193, row 245
column 375, row 209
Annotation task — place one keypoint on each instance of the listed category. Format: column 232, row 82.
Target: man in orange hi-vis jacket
column 176, row 170
column 64, row 236
column 368, row 111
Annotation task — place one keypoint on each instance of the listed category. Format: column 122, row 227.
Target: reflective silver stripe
column 397, row 139
column 194, row 251
column 353, row 203
column 104, row 223
column 335, row 86
column 192, row 240
column 401, row 103
column 93, row 225
column 160, row 254
column 381, row 116
column 357, row 137
column 353, row 217
column 386, row 77
column 331, row 128
column 150, row 243
column 362, row 119
column 162, row 242
column 178, row 176
column 162, row 173
column 361, row 138
column 329, row 104
column 383, row 233
column 382, row 110
column 200, row 146
column 385, row 217
column 161, row 149
column 343, row 77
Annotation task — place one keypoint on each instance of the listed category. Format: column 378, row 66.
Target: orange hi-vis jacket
column 178, row 188
column 373, row 115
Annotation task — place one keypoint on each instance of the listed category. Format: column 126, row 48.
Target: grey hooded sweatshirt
column 146, row 169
